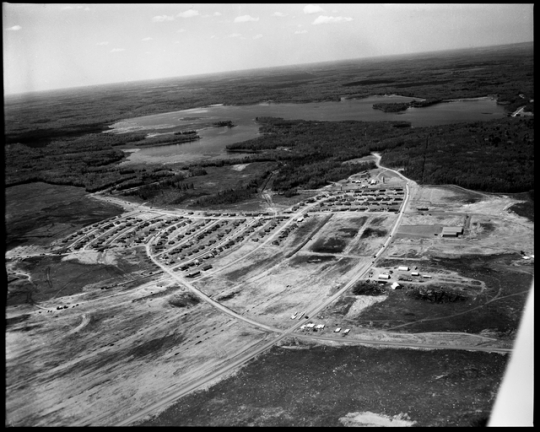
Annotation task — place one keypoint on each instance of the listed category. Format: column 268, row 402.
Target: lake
column 214, row 139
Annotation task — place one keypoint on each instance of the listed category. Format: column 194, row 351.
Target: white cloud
column 217, row 13
column 213, row 37
column 147, row 39
column 300, row 31
column 188, row 14
column 245, row 18
column 14, row 28
column 103, row 43
column 232, row 35
column 162, row 18
column 322, row 19
column 257, row 36
column 117, row 50
column 279, row 14
column 176, row 42
column 311, row 9
column 182, row 30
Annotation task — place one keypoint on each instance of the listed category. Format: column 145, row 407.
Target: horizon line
column 204, row 74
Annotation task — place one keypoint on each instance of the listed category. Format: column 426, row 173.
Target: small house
column 403, row 268
column 395, row 285
column 384, row 276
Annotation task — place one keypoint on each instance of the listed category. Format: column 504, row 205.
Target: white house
column 395, row 285
column 403, row 268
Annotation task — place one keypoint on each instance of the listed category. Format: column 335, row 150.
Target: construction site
column 374, row 260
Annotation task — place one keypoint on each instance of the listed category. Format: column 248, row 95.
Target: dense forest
column 505, row 71
column 493, row 156
column 57, row 137
column 89, row 160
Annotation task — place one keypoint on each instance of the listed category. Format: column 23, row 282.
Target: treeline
column 231, row 196
column 224, row 123
column 311, row 153
column 493, row 156
column 402, row 106
column 150, row 191
column 299, row 173
column 89, row 160
column 507, row 72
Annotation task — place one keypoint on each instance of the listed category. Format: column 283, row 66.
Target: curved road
column 279, row 334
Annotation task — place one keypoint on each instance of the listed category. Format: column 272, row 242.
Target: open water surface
column 214, row 139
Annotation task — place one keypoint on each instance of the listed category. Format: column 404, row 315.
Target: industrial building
column 451, row 231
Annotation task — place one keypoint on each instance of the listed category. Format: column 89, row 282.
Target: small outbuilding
column 403, row 268
column 384, row 276
column 395, row 285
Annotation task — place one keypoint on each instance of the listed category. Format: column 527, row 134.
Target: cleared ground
column 119, row 320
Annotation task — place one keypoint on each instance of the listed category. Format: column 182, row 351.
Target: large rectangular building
column 451, row 231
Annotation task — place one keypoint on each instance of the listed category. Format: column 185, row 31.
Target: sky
column 53, row 46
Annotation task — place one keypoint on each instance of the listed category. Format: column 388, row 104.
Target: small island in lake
column 394, row 107
column 227, row 123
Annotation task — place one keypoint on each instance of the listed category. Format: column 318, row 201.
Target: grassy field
column 338, row 234
column 39, row 213
column 525, row 208
column 317, row 386
column 499, row 308
column 69, row 277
